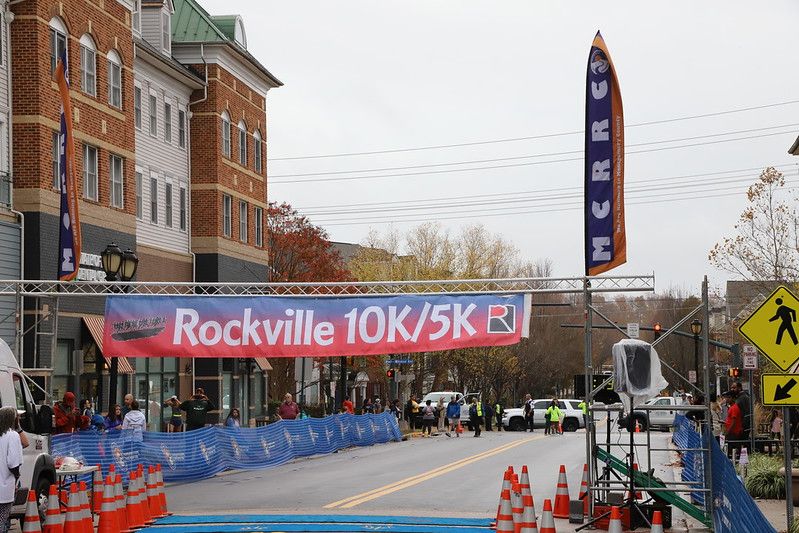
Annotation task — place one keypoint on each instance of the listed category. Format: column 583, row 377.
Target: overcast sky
column 365, row 76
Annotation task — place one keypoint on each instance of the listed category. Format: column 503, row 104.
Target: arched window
column 242, row 143
column 225, row 133
column 58, row 41
column 257, row 148
column 114, row 79
column 88, row 65
column 239, row 34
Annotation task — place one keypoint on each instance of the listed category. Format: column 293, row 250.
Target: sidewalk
column 774, row 511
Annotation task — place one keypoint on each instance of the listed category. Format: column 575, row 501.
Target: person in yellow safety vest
column 476, row 416
column 584, row 408
column 554, row 414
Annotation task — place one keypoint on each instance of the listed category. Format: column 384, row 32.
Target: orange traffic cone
column 161, row 490
column 657, row 522
column 143, row 500
column 615, row 521
column 97, row 490
column 152, row 495
column 119, row 505
column 638, row 495
column 527, row 524
column 561, row 509
column 74, row 520
column 547, row 521
column 505, row 486
column 637, row 426
column 524, row 481
column 108, row 515
column 459, row 429
column 53, row 520
column 584, row 490
column 133, row 509
column 85, row 508
column 516, row 505
column 505, row 518
column 31, row 523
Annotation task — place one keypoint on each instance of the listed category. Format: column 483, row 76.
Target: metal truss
column 575, row 285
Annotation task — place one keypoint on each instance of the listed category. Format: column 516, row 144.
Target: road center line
column 415, row 480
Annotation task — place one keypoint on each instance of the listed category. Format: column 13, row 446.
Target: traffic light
column 657, row 329
column 390, row 373
column 735, row 372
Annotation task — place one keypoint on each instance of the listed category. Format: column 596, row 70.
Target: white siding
column 167, row 161
column 151, row 26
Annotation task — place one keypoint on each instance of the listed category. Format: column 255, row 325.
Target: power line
column 513, row 165
column 516, row 158
column 533, row 137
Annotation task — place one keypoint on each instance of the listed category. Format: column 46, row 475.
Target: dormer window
column 166, row 32
column 136, row 16
column 238, row 33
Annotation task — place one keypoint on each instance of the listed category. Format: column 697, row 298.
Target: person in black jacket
column 197, row 409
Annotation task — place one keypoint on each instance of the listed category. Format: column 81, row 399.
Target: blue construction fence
column 734, row 510
column 202, row 453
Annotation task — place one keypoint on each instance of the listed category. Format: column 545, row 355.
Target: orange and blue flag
column 69, row 219
column 605, row 237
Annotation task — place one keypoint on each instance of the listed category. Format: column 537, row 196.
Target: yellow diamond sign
column 773, row 328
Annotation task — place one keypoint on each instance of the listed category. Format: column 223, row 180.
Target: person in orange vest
column 347, row 405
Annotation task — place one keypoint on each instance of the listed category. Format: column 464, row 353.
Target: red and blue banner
column 273, row 326
column 69, row 220
column 605, row 237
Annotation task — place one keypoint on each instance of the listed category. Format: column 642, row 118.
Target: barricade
column 205, row 452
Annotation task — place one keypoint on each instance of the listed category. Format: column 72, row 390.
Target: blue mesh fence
column 734, row 510
column 208, row 451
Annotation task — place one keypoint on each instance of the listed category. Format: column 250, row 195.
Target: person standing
column 114, row 418
column 395, row 408
column 476, row 416
column 135, row 420
column 347, row 405
column 10, row 463
column 498, row 412
column 743, row 401
column 454, row 416
column 715, row 416
column 488, row 415
column 441, row 411
column 584, row 408
column 415, row 408
column 233, row 419
column 428, row 417
column 175, row 424
column 127, row 401
column 553, row 415
column 733, row 425
column 288, row 410
column 67, row 415
column 197, row 409
column 529, row 412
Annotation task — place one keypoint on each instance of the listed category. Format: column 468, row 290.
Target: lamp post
column 122, row 264
column 696, row 329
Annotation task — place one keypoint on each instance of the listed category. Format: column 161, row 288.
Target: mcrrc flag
column 605, row 239
column 69, row 220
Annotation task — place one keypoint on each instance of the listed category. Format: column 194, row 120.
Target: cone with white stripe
column 53, row 519
column 584, row 490
column 524, row 481
column 657, row 522
column 615, row 521
column 505, row 486
column 85, row 508
column 108, row 513
column 119, row 505
column 161, row 490
column 516, row 506
column 133, row 512
column 547, row 521
column 561, row 509
column 31, row 523
column 97, row 490
column 505, row 517
column 74, row 520
column 528, row 523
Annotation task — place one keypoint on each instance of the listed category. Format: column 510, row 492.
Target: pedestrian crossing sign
column 773, row 328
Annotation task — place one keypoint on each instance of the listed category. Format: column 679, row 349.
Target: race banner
column 270, row 326
column 605, row 237
column 69, row 220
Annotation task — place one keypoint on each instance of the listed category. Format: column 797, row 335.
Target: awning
column 95, row 325
column 262, row 363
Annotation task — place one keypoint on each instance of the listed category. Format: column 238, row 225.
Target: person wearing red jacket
column 67, row 415
column 734, row 423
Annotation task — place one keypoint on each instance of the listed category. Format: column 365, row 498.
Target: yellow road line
column 358, row 499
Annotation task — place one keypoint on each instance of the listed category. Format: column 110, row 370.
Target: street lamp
column 122, row 264
column 696, row 329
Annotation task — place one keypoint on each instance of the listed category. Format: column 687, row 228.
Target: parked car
column 513, row 419
column 660, row 418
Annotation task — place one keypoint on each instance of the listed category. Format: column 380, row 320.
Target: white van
column 38, row 468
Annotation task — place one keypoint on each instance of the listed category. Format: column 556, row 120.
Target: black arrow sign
column 784, row 392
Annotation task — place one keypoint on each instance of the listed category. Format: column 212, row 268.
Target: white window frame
column 225, row 134
column 242, row 143
column 227, row 215
column 243, row 221
column 152, row 113
column 116, row 181
column 181, row 128
column 135, row 18
column 182, row 208
column 139, row 193
column 114, row 79
column 258, row 214
column 88, row 65
column 167, row 122
column 153, row 198
column 169, row 200
column 257, row 152
column 137, row 106
column 58, row 34
column 166, row 32
column 90, row 174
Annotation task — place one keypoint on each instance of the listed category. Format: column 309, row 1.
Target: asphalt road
column 436, row 476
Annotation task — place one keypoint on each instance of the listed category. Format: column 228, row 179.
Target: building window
column 114, row 80
column 168, row 204
column 225, row 134
column 227, row 208
column 243, row 221
column 139, row 192
column 257, row 152
column 137, row 106
column 182, row 212
column 136, row 16
column 181, row 128
column 153, row 115
column 116, row 171
column 56, row 161
column 167, row 122
column 165, row 31
column 243, row 144
column 58, row 41
column 88, row 65
column 258, row 213
column 90, row 172
column 153, row 200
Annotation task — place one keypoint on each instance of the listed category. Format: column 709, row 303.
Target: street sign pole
column 786, row 431
column 752, row 425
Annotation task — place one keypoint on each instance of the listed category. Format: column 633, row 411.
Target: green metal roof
column 191, row 24
column 227, row 25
